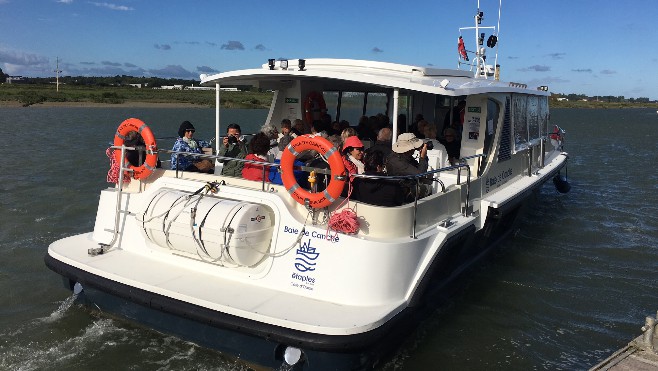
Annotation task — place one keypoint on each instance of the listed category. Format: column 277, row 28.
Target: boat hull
column 263, row 344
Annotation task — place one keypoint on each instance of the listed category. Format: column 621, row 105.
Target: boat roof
column 372, row 75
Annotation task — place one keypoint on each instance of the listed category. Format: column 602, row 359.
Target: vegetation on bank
column 29, row 94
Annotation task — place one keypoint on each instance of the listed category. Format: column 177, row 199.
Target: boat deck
column 630, row 358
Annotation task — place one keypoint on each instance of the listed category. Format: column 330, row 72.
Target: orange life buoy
column 462, row 49
column 151, row 160
column 336, row 182
column 314, row 107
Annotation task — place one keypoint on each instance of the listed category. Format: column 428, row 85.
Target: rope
column 346, row 221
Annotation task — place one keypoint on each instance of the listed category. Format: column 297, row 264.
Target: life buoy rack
column 336, row 183
column 462, row 49
column 151, row 160
column 314, row 107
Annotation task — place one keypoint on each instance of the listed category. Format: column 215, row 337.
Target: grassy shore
column 15, row 95
column 84, row 96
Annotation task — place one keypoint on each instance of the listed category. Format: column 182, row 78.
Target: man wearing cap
column 402, row 162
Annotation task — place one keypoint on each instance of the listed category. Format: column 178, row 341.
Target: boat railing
column 417, row 179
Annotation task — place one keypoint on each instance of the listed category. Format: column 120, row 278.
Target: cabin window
column 351, row 106
column 376, row 103
column 505, row 150
column 520, row 121
column 530, row 118
column 331, row 100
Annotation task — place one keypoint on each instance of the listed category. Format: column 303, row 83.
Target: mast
column 57, row 72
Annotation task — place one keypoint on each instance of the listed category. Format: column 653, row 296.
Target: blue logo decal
column 306, row 256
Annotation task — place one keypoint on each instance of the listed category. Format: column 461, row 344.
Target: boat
column 258, row 270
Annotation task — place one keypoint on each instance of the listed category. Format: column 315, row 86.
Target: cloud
column 556, row 55
column 377, row 50
column 260, row 47
column 175, row 71
column 512, row 57
column 588, row 70
column 88, row 63
column 233, row 45
column 206, row 69
column 536, row 68
column 608, row 72
column 211, row 43
column 129, row 65
column 22, row 59
column 65, row 1
column 162, row 46
column 111, row 64
column 112, row 6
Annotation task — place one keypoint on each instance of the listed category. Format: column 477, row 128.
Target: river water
column 574, row 284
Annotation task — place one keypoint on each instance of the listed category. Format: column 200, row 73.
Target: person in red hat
column 353, row 155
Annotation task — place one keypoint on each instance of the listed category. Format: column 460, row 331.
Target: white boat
column 251, row 267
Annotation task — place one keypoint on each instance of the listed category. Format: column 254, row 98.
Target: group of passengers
column 383, row 162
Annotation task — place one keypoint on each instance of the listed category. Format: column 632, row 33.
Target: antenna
column 57, row 72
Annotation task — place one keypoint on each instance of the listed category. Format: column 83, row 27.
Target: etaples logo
column 306, row 256
column 258, row 218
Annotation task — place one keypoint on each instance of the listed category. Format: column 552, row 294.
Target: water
column 573, row 285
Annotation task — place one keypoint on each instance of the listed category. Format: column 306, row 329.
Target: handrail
column 414, row 177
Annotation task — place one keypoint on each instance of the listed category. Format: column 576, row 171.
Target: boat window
column 543, row 115
column 520, row 121
column 376, row 103
column 533, row 120
column 505, row 150
column 351, row 106
column 331, row 100
column 493, row 111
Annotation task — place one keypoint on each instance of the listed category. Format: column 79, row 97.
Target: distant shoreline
column 17, row 104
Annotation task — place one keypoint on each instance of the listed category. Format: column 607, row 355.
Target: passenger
column 286, row 135
column 430, row 133
column 457, row 121
column 258, row 151
column 272, row 133
column 402, row 162
column 383, row 142
column 299, row 128
column 233, row 146
column 185, row 143
column 346, row 133
column 452, row 145
column 422, row 124
column 377, row 191
column 353, row 155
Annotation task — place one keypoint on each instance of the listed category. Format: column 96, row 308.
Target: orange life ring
column 314, row 107
column 336, row 183
column 151, row 160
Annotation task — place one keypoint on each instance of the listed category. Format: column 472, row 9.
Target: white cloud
column 112, row 6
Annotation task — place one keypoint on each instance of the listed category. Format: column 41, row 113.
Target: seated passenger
column 380, row 192
column 353, row 155
column 258, row 147
column 452, row 144
column 233, row 146
column 402, row 162
column 185, row 143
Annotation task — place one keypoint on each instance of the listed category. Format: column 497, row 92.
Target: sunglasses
column 192, row 130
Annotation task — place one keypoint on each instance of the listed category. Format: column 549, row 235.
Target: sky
column 573, row 46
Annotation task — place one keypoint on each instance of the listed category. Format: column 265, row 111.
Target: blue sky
column 604, row 47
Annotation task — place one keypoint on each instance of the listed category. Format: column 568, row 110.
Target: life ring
column 336, row 183
column 462, row 49
column 151, row 160
column 314, row 107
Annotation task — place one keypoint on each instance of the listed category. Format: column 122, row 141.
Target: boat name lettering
column 292, row 100
column 498, row 180
column 313, row 234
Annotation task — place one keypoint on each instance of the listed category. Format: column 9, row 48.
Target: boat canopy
column 376, row 76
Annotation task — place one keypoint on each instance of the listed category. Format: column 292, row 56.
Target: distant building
column 14, row 79
column 136, row 85
column 563, row 99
